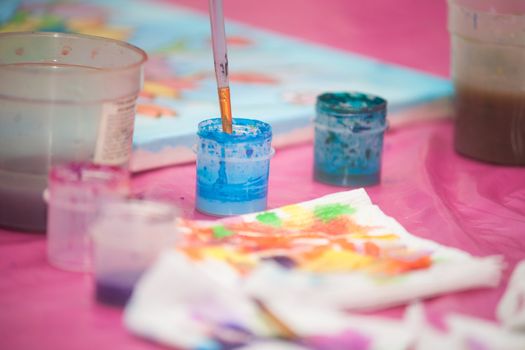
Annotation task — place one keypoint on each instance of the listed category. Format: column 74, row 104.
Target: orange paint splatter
column 339, row 226
column 192, row 253
column 155, row 111
column 372, row 249
column 238, row 41
column 146, row 95
column 315, row 252
column 255, row 228
column 396, row 267
column 66, row 50
column 253, row 78
column 344, row 243
column 180, row 83
column 265, row 242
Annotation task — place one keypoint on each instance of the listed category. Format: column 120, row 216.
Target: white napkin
column 511, row 308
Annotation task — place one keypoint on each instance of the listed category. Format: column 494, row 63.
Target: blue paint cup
column 232, row 169
column 349, row 129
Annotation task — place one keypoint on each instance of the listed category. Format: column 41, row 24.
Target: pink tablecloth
column 428, row 188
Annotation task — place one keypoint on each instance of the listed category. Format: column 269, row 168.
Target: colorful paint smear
column 322, row 239
column 61, row 16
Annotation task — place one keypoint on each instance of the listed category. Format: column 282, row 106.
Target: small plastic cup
column 233, row 169
column 348, row 143
column 74, row 194
column 63, row 98
column 127, row 237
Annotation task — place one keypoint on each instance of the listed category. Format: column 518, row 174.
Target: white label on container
column 115, row 132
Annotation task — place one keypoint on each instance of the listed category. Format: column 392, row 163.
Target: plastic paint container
column 233, row 169
column 74, row 195
column 349, row 129
column 128, row 235
column 63, row 97
column 488, row 69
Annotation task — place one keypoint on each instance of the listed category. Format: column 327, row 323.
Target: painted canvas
column 273, row 78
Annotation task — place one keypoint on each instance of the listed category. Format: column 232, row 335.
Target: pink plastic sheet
column 433, row 192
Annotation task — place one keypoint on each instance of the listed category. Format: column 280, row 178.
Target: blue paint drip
column 209, row 344
column 233, row 169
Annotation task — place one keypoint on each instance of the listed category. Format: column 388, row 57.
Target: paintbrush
column 220, row 58
column 275, row 322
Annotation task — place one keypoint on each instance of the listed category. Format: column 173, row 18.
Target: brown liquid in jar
column 490, row 124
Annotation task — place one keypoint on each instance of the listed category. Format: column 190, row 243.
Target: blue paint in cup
column 232, row 169
column 349, row 129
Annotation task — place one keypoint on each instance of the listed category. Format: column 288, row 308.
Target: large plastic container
column 63, row 97
column 488, row 69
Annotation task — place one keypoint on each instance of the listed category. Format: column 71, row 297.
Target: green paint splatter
column 329, row 212
column 19, row 17
column 221, row 232
column 50, row 23
column 179, row 45
column 269, row 218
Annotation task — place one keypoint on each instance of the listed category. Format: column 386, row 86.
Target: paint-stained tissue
column 318, row 257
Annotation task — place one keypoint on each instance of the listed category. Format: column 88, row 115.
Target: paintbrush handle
column 218, row 35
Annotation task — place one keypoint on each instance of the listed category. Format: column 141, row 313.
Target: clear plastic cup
column 75, row 192
column 488, row 70
column 63, row 97
column 127, row 237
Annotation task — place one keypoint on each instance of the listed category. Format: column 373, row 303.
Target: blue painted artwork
column 273, row 78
